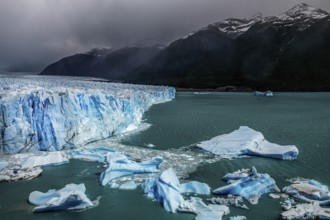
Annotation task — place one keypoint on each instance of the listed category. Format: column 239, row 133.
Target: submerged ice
column 44, row 114
column 246, row 141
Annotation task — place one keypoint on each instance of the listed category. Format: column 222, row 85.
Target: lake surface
column 302, row 119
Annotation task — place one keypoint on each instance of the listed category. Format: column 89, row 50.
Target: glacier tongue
column 50, row 115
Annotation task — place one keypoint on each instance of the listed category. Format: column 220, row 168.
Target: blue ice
column 250, row 187
column 48, row 115
column 72, row 196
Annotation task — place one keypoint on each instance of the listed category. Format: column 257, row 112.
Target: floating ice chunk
column 238, row 218
column 119, row 165
column 3, row 165
column 128, row 185
column 165, row 189
column 203, row 211
column 267, row 93
column 17, row 173
column 310, row 191
column 237, row 175
column 306, row 211
column 274, row 196
column 246, row 141
column 51, row 158
column 250, row 187
column 195, row 187
column 236, row 201
column 72, row 196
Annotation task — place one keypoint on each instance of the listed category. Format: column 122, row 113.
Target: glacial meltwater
column 301, row 119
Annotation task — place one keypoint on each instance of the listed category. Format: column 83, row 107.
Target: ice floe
column 165, row 189
column 250, row 187
column 47, row 159
column 203, row 212
column 15, row 173
column 246, row 141
column 72, row 196
column 306, row 211
column 120, row 165
column 309, row 190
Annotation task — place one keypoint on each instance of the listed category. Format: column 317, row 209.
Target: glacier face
column 54, row 114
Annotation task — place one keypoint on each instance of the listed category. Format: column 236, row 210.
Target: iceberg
column 40, row 114
column 203, row 211
column 309, row 191
column 17, row 173
column 246, row 141
column 119, row 165
column 165, row 189
column 306, row 211
column 51, row 158
column 250, row 187
column 195, row 187
column 72, row 196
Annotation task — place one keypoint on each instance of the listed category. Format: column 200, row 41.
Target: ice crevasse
column 50, row 115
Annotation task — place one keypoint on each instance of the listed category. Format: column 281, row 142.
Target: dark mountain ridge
column 288, row 52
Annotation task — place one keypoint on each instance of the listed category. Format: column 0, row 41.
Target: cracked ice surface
column 72, row 196
column 42, row 114
column 246, row 141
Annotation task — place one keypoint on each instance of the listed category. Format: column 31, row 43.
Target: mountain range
column 288, row 52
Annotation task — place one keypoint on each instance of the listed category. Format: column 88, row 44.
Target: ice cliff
column 51, row 114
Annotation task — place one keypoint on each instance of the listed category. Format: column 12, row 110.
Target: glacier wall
column 50, row 114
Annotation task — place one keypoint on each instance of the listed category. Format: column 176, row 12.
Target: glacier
column 250, row 187
column 246, row 141
column 72, row 196
column 42, row 114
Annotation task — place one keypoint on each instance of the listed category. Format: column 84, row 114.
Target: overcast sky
column 43, row 31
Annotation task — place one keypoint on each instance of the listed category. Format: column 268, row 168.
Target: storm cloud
column 43, row 31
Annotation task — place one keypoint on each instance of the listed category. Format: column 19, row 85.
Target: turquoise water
column 302, row 119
